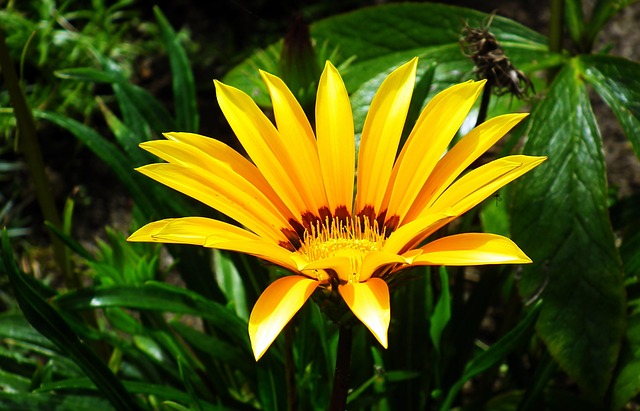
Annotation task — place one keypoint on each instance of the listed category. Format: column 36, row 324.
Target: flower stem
column 290, row 377
column 484, row 103
column 341, row 375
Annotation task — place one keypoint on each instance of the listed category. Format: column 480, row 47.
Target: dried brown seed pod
column 491, row 62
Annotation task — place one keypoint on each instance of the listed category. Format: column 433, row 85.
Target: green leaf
column 560, row 220
column 617, row 80
column 126, row 137
column 626, row 384
column 495, row 354
column 37, row 402
column 230, row 282
column 158, row 297
column 271, row 385
column 108, row 153
column 603, row 11
column 161, row 391
column 574, row 18
column 86, row 74
column 442, row 311
column 184, row 92
column 50, row 323
column 216, row 348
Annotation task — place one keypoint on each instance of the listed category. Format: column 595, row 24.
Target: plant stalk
column 556, row 31
column 484, row 103
column 290, row 376
column 341, row 375
column 30, row 148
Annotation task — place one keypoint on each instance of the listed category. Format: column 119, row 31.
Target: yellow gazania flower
column 295, row 196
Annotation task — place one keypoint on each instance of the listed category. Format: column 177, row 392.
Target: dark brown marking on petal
column 391, row 224
column 287, row 245
column 324, row 213
column 310, row 219
column 367, row 213
column 380, row 218
column 295, row 234
column 341, row 213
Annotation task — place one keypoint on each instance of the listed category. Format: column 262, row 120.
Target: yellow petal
column 354, row 266
column 472, row 146
column 369, row 301
column 228, row 157
column 480, row 183
column 262, row 142
column 211, row 233
column 336, row 143
column 220, row 173
column 299, row 142
column 414, row 232
column 222, row 195
column 471, row 249
column 190, row 230
column 275, row 307
column 378, row 259
column 381, row 134
column 428, row 140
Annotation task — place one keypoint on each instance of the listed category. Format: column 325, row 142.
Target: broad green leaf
column 494, row 215
column 381, row 37
column 626, row 384
column 617, row 80
column 51, row 324
column 560, row 220
column 184, row 93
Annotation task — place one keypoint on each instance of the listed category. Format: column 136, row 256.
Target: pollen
column 351, row 238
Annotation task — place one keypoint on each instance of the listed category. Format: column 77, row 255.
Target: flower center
column 351, row 238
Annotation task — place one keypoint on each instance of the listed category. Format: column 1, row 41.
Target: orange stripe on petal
column 221, row 172
column 228, row 157
column 221, row 194
column 480, row 183
column 262, row 142
column 336, row 143
column 191, row 230
column 369, row 301
column 436, row 126
column 275, row 308
column 381, row 134
column 471, row 249
column 472, row 146
column 211, row 233
column 408, row 235
column 299, row 142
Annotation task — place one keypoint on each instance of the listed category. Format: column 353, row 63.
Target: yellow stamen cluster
column 349, row 238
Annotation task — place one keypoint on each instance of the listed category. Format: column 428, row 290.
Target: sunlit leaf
column 560, row 220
